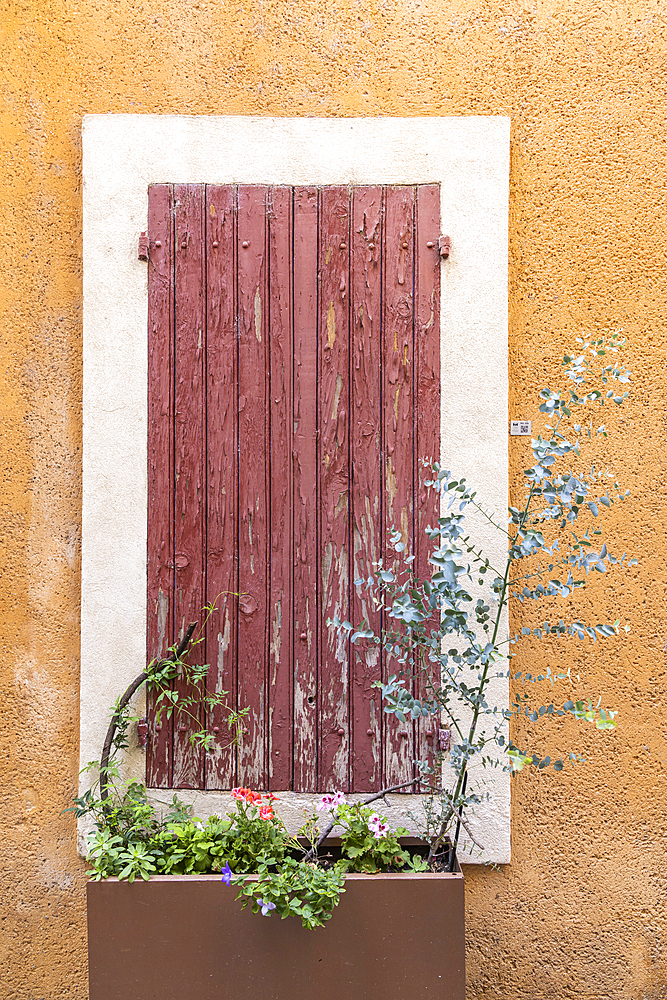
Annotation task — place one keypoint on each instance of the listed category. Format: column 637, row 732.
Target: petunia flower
column 227, row 874
column 266, row 907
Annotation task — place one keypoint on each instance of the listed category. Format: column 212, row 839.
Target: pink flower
column 377, row 827
column 266, row 812
column 330, row 801
column 239, row 794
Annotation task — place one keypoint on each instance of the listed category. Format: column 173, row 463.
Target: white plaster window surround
column 122, row 154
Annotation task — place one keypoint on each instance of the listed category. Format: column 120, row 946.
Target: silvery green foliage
column 448, row 626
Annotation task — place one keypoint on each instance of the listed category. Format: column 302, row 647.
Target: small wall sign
column 520, row 428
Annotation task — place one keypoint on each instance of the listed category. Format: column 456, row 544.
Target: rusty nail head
column 245, row 244
column 341, row 732
column 216, row 729
column 430, row 245
column 215, row 243
column 405, row 246
column 303, row 635
column 371, row 246
column 369, row 732
column 343, row 246
column 158, row 243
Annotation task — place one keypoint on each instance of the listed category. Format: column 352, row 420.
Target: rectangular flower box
column 177, row 937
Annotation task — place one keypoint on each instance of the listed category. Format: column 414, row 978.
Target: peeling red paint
column 297, row 399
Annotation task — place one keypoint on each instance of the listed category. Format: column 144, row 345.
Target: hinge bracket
column 143, row 247
column 443, row 740
column 444, row 246
column 142, row 732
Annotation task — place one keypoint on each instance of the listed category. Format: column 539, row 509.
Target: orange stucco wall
column 581, row 910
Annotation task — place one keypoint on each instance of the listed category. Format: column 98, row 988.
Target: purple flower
column 266, row 907
column 227, row 874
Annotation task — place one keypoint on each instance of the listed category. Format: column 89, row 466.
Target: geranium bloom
column 227, row 874
column 376, row 826
column 239, row 794
column 266, row 812
column 266, row 907
column 252, row 798
column 330, row 801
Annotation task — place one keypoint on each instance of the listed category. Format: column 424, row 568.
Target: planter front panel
column 400, row 937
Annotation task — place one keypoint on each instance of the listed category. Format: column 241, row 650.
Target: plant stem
column 122, row 704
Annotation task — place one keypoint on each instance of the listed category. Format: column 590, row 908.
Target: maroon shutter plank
column 159, row 556
column 398, row 426
column 305, row 489
column 427, row 362
column 222, row 494
column 334, row 471
column 189, row 455
column 280, row 489
column 366, row 463
column 253, row 466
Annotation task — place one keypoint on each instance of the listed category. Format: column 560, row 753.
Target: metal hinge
column 443, row 740
column 444, row 246
column 143, row 247
column 142, row 732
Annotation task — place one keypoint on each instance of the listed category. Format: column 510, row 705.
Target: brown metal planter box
column 399, row 937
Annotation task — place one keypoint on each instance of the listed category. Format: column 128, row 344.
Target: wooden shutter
column 294, row 385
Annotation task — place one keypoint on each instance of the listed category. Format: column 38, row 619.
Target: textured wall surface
column 581, row 910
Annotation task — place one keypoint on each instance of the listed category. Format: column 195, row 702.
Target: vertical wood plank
column 366, row 463
column 398, row 397
column 427, row 379
column 334, row 470
column 253, row 465
column 280, row 489
column 305, row 502
column 222, row 493
column 160, row 547
column 189, row 453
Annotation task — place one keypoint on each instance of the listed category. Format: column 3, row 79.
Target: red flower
column 252, row 798
column 239, row 794
column 266, row 812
